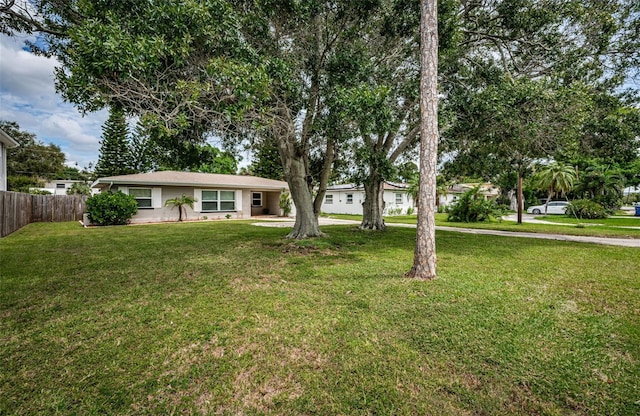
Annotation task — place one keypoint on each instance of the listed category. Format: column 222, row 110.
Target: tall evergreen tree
column 266, row 161
column 115, row 156
column 143, row 150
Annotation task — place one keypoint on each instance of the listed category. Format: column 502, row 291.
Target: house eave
column 8, row 141
column 109, row 182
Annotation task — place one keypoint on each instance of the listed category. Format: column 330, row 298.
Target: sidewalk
column 621, row 242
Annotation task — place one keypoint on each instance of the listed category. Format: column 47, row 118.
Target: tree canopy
column 32, row 161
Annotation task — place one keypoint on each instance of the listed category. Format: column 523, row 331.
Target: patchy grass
column 611, row 229
column 224, row 317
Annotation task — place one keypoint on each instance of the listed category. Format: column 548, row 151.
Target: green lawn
column 611, row 227
column 227, row 318
column 612, row 222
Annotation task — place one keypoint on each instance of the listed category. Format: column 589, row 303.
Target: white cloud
column 28, row 97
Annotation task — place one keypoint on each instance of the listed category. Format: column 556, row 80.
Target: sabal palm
column 181, row 202
column 557, row 178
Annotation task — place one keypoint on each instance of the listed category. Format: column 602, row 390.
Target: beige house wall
column 161, row 213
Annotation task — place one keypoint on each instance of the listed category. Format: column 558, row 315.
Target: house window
column 349, row 198
column 398, row 198
column 60, row 186
column 328, row 199
column 142, row 196
column 218, row 201
column 256, row 199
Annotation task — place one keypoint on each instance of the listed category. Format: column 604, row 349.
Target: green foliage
column 556, row 178
column 75, row 174
column 39, row 192
column 266, row 162
column 111, row 208
column 393, row 211
column 473, row 207
column 22, row 183
column 285, row 203
column 213, row 160
column 180, row 202
column 602, row 185
column 610, row 133
column 115, row 157
column 187, row 154
column 586, row 209
column 79, row 188
column 31, row 162
column 143, row 149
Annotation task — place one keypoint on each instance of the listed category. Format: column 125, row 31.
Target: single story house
column 348, row 199
column 6, row 142
column 216, row 195
column 58, row 186
column 454, row 192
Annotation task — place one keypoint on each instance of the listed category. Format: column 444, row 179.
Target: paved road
column 623, row 242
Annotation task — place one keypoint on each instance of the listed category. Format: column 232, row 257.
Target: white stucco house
column 217, row 196
column 348, row 199
column 6, row 142
column 454, row 192
column 58, row 186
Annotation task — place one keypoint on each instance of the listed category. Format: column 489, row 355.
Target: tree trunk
column 295, row 173
column 546, row 204
column 424, row 260
column 519, row 197
column 373, row 206
column 329, row 158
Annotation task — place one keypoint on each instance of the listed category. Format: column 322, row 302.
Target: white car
column 555, row 207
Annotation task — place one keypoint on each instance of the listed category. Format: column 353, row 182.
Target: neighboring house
column 58, row 186
column 348, row 199
column 454, row 192
column 216, row 195
column 6, row 142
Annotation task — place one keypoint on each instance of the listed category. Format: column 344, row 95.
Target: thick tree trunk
column 373, row 206
column 424, row 260
column 296, row 175
column 306, row 224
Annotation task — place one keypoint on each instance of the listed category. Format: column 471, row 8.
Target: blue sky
column 28, row 97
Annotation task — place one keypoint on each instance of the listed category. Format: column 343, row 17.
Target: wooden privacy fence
column 19, row 209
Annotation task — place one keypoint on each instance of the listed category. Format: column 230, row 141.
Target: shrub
column 393, row 211
column 79, row 188
column 410, row 210
column 585, row 209
column 39, row 192
column 285, row 203
column 111, row 208
column 473, row 207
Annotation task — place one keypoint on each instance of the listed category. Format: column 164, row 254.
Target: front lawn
column 610, row 222
column 227, row 318
column 609, row 229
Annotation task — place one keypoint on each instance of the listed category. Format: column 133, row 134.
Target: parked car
column 555, row 207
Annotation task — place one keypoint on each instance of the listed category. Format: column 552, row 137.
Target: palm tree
column 557, row 178
column 602, row 185
column 180, row 203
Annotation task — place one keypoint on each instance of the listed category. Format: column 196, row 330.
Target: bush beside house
column 110, row 208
